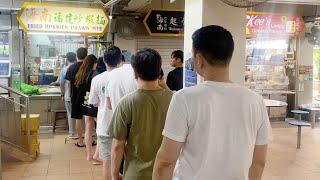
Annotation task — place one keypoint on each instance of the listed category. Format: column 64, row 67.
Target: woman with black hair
column 83, row 83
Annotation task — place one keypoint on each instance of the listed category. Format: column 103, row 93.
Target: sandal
column 80, row 146
column 95, row 162
column 94, row 143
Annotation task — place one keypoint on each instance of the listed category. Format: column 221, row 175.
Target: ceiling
column 310, row 2
column 141, row 6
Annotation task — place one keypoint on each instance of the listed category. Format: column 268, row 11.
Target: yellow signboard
column 63, row 18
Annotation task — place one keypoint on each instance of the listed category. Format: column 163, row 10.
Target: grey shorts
column 105, row 144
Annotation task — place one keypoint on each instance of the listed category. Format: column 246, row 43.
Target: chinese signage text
column 47, row 17
column 165, row 23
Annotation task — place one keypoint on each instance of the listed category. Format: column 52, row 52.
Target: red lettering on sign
column 280, row 24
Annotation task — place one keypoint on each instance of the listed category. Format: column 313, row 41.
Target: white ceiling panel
column 311, row 2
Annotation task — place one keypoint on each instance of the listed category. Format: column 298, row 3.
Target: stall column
column 207, row 12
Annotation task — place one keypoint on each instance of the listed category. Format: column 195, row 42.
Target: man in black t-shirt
column 175, row 77
column 76, row 101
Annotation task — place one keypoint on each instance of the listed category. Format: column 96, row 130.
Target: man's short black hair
column 178, row 54
column 101, row 67
column 71, row 57
column 215, row 43
column 161, row 73
column 112, row 56
column 147, row 64
column 123, row 59
column 82, row 53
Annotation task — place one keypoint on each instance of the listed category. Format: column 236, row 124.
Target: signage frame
column 277, row 14
column 59, row 4
column 161, row 34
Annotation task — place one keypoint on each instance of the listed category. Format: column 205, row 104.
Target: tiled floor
column 59, row 161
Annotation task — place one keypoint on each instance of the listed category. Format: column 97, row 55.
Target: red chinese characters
column 273, row 24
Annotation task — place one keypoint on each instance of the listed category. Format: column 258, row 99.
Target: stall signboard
column 259, row 23
column 165, row 22
column 63, row 18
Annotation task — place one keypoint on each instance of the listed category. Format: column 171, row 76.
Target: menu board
column 165, row 23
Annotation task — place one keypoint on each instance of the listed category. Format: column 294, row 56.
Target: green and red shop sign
column 63, row 18
column 273, row 24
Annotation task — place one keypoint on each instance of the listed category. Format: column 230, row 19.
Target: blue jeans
column 71, row 121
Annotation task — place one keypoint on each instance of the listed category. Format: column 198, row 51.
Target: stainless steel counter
column 276, row 92
column 44, row 105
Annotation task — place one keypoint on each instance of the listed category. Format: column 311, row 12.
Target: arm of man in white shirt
column 107, row 95
column 94, row 93
column 264, row 136
column 109, row 103
column 166, row 159
column 258, row 162
column 174, row 137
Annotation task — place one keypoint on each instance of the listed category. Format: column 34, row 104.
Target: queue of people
column 155, row 130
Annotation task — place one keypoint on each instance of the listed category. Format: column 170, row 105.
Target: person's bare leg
column 79, row 131
column 106, row 170
column 88, row 136
column 96, row 156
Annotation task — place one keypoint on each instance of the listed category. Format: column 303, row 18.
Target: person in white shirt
column 98, row 98
column 65, row 93
column 217, row 129
column 122, row 82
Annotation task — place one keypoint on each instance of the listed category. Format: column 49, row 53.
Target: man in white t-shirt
column 217, row 129
column 98, row 98
column 122, row 82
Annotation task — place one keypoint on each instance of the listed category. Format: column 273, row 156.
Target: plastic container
column 33, row 139
column 34, row 122
column 35, row 150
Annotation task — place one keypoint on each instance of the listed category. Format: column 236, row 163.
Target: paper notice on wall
column 190, row 74
column 47, row 64
column 305, row 73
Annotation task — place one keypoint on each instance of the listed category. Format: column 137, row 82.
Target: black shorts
column 77, row 111
column 91, row 111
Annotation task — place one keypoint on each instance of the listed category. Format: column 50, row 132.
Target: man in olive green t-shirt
column 138, row 121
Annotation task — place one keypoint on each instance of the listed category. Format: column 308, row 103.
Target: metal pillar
column 299, row 137
column 28, row 124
